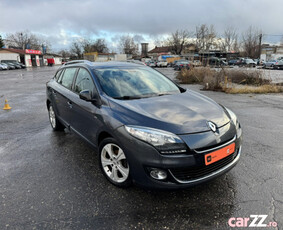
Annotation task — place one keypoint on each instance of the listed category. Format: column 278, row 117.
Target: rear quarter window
column 67, row 78
column 57, row 75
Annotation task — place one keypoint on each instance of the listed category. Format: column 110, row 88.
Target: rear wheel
column 55, row 123
column 113, row 163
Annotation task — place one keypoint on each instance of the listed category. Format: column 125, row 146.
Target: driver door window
column 84, row 82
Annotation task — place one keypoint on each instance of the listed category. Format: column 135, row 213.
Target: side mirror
column 86, row 95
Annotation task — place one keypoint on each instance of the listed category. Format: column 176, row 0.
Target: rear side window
column 68, row 77
column 84, row 81
column 57, row 75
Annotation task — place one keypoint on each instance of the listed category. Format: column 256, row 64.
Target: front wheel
column 113, row 163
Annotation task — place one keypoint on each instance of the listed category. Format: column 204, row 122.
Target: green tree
column 1, row 42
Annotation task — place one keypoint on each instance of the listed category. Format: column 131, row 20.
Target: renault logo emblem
column 212, row 126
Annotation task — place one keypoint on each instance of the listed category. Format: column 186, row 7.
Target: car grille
column 192, row 173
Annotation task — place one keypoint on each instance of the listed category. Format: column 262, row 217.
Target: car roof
column 100, row 65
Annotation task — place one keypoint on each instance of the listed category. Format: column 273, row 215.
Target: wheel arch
column 48, row 102
column 101, row 136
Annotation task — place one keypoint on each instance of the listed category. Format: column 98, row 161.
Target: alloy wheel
column 52, row 117
column 114, row 163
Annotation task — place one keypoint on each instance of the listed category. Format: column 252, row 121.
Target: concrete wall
column 4, row 55
column 103, row 58
column 58, row 60
column 120, row 57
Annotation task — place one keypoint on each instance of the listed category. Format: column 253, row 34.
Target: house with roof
column 158, row 51
column 28, row 57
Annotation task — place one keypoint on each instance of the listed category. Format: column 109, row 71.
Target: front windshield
column 127, row 83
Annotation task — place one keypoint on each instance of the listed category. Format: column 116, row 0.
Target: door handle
column 70, row 104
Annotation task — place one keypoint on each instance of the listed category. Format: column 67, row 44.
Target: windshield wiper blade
column 127, row 97
column 162, row 94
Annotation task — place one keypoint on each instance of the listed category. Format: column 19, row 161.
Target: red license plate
column 219, row 154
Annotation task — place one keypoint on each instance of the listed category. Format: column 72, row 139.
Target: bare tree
column 250, row 42
column 64, row 53
column 230, row 40
column 76, row 50
column 178, row 40
column 127, row 45
column 205, row 37
column 99, row 45
column 1, row 42
column 24, row 40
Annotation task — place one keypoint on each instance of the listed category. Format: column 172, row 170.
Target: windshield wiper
column 162, row 94
column 127, row 97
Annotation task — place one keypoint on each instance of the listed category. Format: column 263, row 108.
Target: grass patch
column 229, row 80
column 259, row 89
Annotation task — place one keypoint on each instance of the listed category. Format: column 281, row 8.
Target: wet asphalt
column 51, row 180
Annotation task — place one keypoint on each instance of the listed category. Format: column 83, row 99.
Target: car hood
column 182, row 113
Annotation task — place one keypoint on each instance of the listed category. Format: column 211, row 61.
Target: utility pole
column 259, row 48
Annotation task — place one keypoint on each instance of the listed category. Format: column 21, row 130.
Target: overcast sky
column 63, row 21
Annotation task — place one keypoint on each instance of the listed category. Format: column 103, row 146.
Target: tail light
column 181, row 65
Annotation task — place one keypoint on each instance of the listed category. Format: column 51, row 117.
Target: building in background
column 158, row 51
column 57, row 59
column 144, row 50
column 27, row 57
column 271, row 52
column 102, row 57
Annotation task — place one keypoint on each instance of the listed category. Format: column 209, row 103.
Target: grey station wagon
column 145, row 128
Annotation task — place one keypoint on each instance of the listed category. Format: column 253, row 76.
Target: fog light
column 158, row 174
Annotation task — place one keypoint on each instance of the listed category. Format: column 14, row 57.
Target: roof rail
column 77, row 62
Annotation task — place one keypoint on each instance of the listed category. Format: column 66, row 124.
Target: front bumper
column 184, row 170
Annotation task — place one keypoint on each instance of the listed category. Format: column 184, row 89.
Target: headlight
column 235, row 121
column 165, row 142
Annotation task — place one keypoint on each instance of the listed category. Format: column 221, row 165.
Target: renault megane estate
column 145, row 128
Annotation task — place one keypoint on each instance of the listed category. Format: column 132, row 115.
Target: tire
column 56, row 125
column 113, row 163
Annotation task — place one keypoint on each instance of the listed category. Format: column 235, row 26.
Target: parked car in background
column 214, row 62
column 15, row 63
column 162, row 63
column 259, row 61
column 19, row 63
column 17, row 66
column 9, row 66
column 269, row 64
column 182, row 64
column 152, row 64
column 278, row 64
column 3, row 66
column 234, row 62
column 172, row 64
column 136, row 62
column 249, row 62
column 196, row 63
